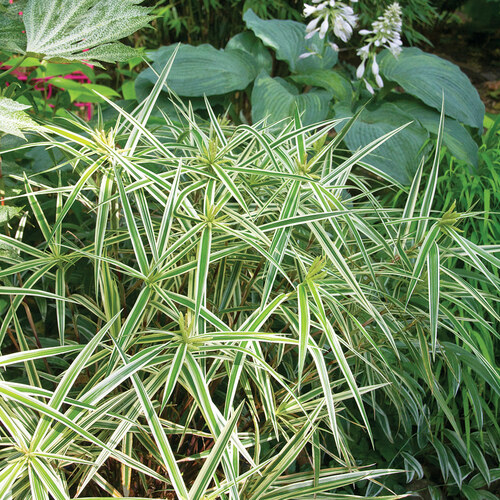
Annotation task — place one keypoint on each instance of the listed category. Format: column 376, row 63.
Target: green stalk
column 12, row 68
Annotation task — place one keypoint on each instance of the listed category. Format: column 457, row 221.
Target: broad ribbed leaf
column 287, row 38
column 455, row 137
column 275, row 99
column 249, row 43
column 429, row 77
column 199, row 71
column 400, row 155
column 329, row 80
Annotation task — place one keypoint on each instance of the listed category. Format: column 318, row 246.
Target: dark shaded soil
column 477, row 54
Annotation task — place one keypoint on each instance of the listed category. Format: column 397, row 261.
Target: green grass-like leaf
column 237, row 314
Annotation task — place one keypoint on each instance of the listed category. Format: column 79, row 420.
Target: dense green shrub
column 476, row 191
column 447, row 468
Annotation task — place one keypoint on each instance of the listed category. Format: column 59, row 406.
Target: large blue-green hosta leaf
column 429, row 78
column 287, row 39
column 458, row 141
column 198, row 71
column 82, row 29
column 276, row 99
column 329, row 80
column 400, row 155
column 249, row 43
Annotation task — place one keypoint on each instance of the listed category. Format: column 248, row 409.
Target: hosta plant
column 308, row 73
column 234, row 306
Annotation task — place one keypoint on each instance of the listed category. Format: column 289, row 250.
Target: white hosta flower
column 361, row 70
column 395, row 47
column 311, row 27
column 323, row 28
column 330, row 14
column 309, row 10
column 305, row 55
column 364, row 52
column 379, row 81
column 369, row 87
column 385, row 32
column 344, row 24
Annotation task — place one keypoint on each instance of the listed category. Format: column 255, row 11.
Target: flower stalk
column 386, row 33
column 340, row 18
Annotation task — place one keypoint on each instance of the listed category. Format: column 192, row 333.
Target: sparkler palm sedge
column 231, row 272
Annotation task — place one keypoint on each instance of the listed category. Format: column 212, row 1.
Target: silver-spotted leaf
column 12, row 37
column 82, row 29
column 7, row 213
column 13, row 119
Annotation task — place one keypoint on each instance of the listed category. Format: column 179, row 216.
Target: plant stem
column 12, row 68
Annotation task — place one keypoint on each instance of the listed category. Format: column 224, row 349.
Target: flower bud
column 324, row 28
column 361, row 69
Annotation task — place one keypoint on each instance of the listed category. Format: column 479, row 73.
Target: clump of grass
column 234, row 303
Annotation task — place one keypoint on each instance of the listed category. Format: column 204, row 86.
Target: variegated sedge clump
column 234, row 305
